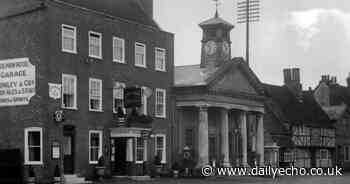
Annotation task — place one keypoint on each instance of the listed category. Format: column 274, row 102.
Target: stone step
column 74, row 179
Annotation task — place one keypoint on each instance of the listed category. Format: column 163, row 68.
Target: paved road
column 345, row 179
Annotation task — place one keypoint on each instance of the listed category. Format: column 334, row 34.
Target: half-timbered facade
column 335, row 101
column 309, row 139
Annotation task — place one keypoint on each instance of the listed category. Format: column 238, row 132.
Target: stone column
column 225, row 138
column 243, row 119
column 203, row 142
column 260, row 138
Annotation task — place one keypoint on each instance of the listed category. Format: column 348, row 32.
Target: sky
column 313, row 35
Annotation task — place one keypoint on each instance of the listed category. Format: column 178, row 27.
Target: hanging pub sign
column 132, row 97
column 17, row 82
column 55, row 91
column 59, row 116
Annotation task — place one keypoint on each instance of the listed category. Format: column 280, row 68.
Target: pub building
column 219, row 104
column 83, row 56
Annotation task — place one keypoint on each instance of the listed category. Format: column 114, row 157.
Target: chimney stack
column 147, row 6
column 348, row 80
column 292, row 81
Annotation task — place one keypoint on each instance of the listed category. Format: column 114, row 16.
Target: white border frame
column 100, row 152
column 145, row 57
column 99, row 34
column 26, row 151
column 164, row 101
column 100, row 109
column 163, row 161
column 75, row 39
column 155, row 59
column 115, row 38
column 75, row 107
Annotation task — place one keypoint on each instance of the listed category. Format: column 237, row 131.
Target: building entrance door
column 120, row 156
column 68, row 149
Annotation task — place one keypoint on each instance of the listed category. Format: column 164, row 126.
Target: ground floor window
column 302, row 158
column 160, row 147
column 33, row 146
column 141, row 150
column 95, row 146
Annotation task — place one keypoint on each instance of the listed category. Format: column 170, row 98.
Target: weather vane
column 217, row 3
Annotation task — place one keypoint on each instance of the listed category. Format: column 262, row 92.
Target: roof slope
column 126, row 9
column 294, row 111
column 194, row 75
column 339, row 94
column 10, row 8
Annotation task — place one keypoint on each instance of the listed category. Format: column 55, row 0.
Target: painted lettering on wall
column 17, row 82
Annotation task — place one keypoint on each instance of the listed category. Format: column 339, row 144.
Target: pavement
column 345, row 179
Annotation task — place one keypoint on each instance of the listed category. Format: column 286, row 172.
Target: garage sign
column 17, row 82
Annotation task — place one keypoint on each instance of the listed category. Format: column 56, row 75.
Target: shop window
column 95, row 146
column 33, row 146
column 140, row 150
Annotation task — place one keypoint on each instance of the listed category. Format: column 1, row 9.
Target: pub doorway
column 120, row 163
column 68, row 149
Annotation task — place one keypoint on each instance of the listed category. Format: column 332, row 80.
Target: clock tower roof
column 216, row 21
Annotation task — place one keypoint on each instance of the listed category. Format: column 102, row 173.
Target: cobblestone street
column 245, row 180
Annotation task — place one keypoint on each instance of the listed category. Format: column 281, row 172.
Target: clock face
column 210, row 48
column 226, row 48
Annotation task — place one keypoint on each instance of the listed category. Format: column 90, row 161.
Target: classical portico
column 220, row 104
column 223, row 129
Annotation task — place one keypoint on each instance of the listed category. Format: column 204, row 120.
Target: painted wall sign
column 55, row 91
column 17, row 82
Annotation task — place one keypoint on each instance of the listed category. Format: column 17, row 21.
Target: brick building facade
column 92, row 50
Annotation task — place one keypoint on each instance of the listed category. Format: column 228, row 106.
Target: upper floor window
column 160, row 103
column 33, row 146
column 143, row 108
column 95, row 44
column 118, row 50
column 95, row 146
column 69, row 38
column 95, row 94
column 69, row 91
column 160, row 59
column 160, row 147
column 118, row 96
column 140, row 54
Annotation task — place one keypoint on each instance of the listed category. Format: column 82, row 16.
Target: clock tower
column 216, row 43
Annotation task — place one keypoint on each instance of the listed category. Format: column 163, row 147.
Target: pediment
column 233, row 80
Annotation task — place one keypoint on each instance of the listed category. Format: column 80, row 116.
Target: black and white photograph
column 174, row 91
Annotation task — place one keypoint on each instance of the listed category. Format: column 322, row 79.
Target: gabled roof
column 125, row 9
column 9, row 8
column 194, row 75
column 294, row 111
